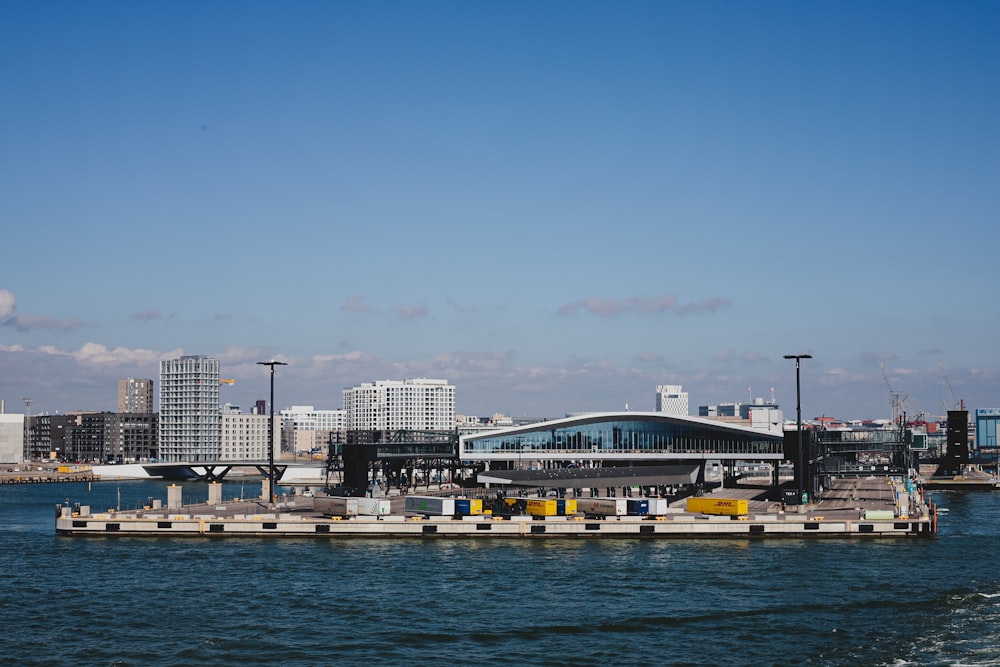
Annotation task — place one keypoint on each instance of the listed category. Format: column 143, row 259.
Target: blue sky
column 554, row 205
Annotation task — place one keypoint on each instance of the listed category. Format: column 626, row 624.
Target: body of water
column 185, row 601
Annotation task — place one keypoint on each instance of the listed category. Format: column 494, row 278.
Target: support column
column 174, row 497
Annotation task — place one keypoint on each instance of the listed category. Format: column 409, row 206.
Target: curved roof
column 594, row 417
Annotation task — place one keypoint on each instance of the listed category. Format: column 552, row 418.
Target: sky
column 556, row 206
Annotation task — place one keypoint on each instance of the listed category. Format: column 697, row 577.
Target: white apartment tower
column 670, row 399
column 189, row 409
column 416, row 404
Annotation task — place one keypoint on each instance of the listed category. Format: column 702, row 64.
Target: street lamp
column 270, row 429
column 798, row 419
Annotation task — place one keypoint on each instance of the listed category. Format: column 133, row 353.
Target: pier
column 853, row 508
column 45, row 476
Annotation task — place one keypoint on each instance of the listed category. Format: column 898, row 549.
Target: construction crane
column 221, row 381
column 953, row 404
column 896, row 398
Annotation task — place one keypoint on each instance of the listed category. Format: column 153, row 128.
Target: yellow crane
column 221, row 381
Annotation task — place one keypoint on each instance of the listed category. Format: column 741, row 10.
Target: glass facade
column 623, row 436
column 986, row 427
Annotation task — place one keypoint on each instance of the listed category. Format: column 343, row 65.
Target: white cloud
column 7, row 304
column 605, row 307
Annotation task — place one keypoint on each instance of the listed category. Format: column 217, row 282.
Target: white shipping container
column 373, row 506
column 430, row 505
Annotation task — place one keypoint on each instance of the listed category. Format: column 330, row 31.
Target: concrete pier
column 874, row 507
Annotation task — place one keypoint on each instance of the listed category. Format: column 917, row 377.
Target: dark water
column 187, row 601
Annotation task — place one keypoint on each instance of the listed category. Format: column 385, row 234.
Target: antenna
column 27, row 406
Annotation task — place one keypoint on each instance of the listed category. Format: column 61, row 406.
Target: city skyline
column 554, row 207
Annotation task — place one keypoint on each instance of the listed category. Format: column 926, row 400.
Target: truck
column 602, row 507
column 468, row 506
column 442, row 506
column 605, row 507
column 551, row 506
column 336, row 506
column 348, row 506
column 733, row 507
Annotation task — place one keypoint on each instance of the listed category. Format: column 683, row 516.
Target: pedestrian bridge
column 212, row 471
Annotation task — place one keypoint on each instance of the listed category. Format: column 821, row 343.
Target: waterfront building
column 244, row 436
column 306, row 430
column 670, row 398
column 388, row 405
column 45, row 436
column 620, row 438
column 189, row 409
column 111, row 437
column 11, row 438
column 987, row 420
column 135, row 395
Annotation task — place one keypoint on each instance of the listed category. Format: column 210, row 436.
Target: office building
column 671, row 399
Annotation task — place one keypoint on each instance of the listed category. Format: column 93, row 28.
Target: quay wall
column 281, row 525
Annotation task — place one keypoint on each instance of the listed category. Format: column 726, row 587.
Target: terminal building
column 621, row 439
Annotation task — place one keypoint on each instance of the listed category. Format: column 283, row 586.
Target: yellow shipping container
column 722, row 506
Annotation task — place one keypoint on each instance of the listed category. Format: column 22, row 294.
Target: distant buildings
column 244, row 436
column 414, row 404
column 190, row 416
column 306, row 430
column 11, row 438
column 760, row 414
column 671, row 399
column 135, row 395
column 110, row 437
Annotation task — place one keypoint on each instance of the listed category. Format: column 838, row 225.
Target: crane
column 953, row 404
column 896, row 398
column 226, row 381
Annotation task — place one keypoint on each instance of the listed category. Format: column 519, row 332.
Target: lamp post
column 798, row 419
column 270, row 429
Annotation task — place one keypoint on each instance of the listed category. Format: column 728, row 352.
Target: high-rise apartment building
column 135, row 395
column 190, row 417
column 414, row 404
column 670, row 399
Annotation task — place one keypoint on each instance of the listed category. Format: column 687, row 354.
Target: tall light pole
column 798, row 419
column 270, row 429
